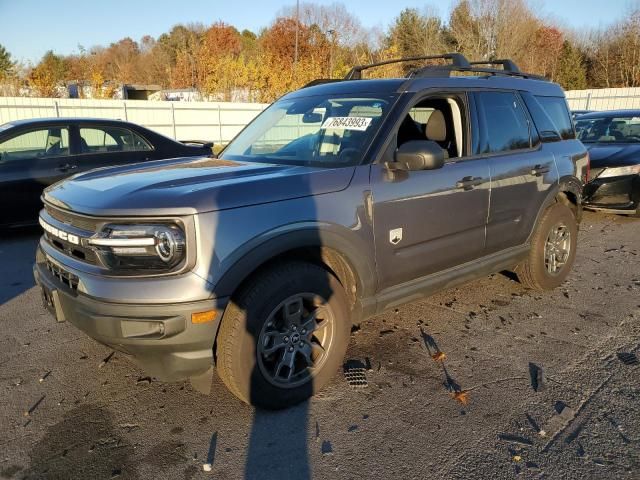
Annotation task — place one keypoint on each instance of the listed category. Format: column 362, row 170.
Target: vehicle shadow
column 17, row 253
column 274, row 304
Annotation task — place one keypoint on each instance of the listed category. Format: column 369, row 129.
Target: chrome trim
column 122, row 242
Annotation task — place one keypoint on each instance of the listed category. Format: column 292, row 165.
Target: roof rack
column 459, row 63
column 509, row 69
column 507, row 65
column 457, row 60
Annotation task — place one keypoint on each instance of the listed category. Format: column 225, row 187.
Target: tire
column 256, row 338
column 536, row 272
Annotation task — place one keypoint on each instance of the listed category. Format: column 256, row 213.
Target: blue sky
column 28, row 28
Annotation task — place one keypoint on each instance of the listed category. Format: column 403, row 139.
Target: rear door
column 30, row 160
column 106, row 145
column 522, row 171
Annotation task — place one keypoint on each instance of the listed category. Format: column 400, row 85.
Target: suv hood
column 184, row 186
column 606, row 155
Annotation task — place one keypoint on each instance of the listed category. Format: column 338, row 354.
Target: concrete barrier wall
column 212, row 121
column 604, row 99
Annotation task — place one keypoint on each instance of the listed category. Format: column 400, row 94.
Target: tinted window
column 505, row 124
column 540, row 117
column 110, row 139
column 609, row 129
column 45, row 142
column 556, row 108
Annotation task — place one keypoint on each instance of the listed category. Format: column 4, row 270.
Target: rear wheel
column 284, row 336
column 553, row 249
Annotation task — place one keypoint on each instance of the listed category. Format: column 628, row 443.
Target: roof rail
column 457, row 60
column 320, row 81
column 507, row 65
column 446, row 70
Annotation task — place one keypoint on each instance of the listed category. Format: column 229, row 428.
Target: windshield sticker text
column 347, row 123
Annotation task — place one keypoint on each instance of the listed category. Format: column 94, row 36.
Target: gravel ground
column 547, row 390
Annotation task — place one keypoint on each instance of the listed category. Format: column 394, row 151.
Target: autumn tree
column 6, row 64
column 415, row 34
column 47, row 75
column 571, row 70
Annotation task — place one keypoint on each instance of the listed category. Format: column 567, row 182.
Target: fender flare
column 249, row 256
column 565, row 184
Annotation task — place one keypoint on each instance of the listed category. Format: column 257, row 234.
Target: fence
column 604, row 99
column 220, row 121
column 212, row 121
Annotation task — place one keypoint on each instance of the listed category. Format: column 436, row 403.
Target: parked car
column 341, row 200
column 613, row 141
column 39, row 152
column 577, row 113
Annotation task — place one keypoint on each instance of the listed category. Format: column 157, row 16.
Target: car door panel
column 522, row 169
column 27, row 173
column 442, row 219
column 520, row 183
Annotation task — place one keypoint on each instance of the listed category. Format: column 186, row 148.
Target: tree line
column 221, row 62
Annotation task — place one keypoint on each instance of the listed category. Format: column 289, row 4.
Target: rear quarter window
column 558, row 111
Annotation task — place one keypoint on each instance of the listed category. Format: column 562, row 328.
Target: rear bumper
column 159, row 337
column 614, row 194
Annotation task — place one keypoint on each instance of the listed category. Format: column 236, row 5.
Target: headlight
column 143, row 247
column 620, row 171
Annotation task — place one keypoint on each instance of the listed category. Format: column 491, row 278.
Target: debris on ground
column 537, row 377
column 34, row 406
column 106, row 359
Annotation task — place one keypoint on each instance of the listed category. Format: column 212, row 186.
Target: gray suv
column 341, row 200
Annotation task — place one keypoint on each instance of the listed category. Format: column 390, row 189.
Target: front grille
column 67, row 278
column 88, row 225
column 79, row 221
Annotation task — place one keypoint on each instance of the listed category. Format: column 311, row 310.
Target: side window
column 505, row 124
column 540, row 116
column 556, row 108
column 111, row 139
column 46, row 142
column 437, row 119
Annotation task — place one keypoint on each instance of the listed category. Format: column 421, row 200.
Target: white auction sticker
column 347, row 123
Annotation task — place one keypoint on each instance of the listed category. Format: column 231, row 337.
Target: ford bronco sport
column 341, row 200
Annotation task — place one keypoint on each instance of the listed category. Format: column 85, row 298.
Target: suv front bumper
column 613, row 194
column 160, row 337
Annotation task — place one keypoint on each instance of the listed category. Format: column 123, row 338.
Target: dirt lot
column 548, row 393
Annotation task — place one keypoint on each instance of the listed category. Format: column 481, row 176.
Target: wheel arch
column 568, row 191
column 337, row 249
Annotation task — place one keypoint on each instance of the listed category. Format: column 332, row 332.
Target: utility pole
column 295, row 58
column 333, row 45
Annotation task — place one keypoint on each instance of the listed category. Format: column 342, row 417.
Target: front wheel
column 284, row 335
column 553, row 249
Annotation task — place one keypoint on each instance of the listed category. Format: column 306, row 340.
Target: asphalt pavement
column 489, row 380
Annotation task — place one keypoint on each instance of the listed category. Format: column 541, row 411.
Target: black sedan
column 36, row 153
column 613, row 141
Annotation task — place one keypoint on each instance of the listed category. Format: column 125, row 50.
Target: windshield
column 319, row 131
column 609, row 130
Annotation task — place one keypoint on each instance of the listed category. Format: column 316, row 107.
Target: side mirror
column 418, row 155
column 549, row 136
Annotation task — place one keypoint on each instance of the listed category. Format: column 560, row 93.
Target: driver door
column 31, row 160
column 431, row 220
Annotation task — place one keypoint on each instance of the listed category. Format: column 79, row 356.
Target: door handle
column 539, row 170
column 66, row 167
column 467, row 183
